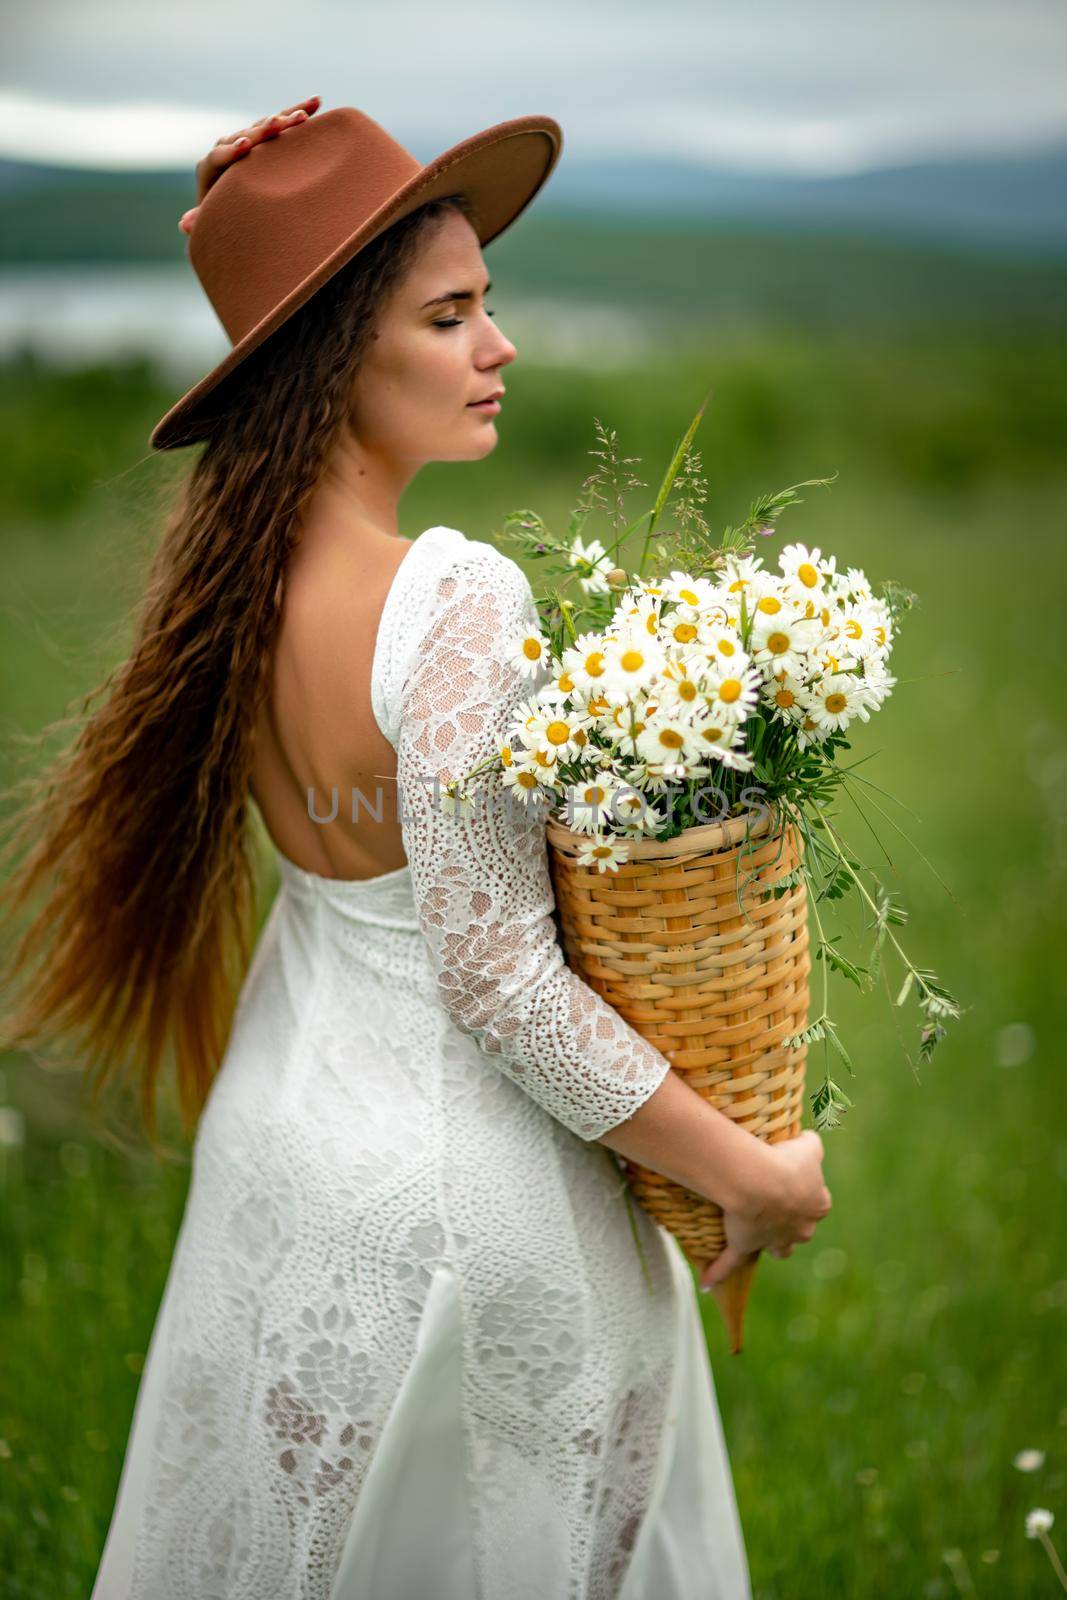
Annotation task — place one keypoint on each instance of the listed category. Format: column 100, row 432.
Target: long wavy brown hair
column 139, row 835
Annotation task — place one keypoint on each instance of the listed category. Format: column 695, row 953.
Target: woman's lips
column 489, row 406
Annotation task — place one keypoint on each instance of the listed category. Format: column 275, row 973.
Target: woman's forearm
column 683, row 1136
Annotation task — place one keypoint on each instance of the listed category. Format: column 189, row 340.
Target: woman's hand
column 229, row 149
column 787, row 1215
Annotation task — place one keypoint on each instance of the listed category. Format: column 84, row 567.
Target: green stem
column 854, row 875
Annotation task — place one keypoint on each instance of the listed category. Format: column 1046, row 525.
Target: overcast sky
column 804, row 86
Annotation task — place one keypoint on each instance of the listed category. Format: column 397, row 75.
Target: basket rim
column 694, row 841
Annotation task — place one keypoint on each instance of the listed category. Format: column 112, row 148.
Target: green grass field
column 895, row 1366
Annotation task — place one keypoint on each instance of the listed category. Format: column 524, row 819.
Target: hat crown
column 286, row 206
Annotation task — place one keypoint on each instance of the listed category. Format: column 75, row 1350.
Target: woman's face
column 427, row 362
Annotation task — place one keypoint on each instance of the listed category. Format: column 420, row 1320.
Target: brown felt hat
column 290, row 213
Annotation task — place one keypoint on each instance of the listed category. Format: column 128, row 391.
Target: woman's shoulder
column 477, row 559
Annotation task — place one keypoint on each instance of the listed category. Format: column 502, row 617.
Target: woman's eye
column 454, row 322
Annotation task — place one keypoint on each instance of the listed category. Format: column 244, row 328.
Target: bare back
column 317, row 729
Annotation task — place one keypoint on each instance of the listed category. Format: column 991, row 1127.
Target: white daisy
column 554, row 730
column 528, row 779
column 731, row 692
column 529, row 653
column 456, row 800
column 692, row 593
column 806, row 570
column 833, row 701
column 682, row 628
column 878, row 682
column 588, row 805
column 1038, row 1521
column 603, row 853
column 785, row 695
column 715, row 736
column 882, row 627
column 737, row 573
column 855, row 585
column 781, row 643
column 593, row 563
column 585, row 661
column 633, row 661
column 523, row 718
column 639, row 612
column 809, row 732
column 666, row 742
column 678, row 688
column 635, row 814
column 722, row 644
column 560, row 687
column 767, row 596
column 863, row 630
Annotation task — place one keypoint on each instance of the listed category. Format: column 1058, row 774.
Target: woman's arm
column 683, row 1136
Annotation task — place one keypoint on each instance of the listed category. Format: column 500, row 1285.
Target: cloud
column 830, row 86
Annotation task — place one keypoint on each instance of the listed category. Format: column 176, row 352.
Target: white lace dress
column 406, row 1348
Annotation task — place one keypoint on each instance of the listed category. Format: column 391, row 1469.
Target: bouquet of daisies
column 728, row 685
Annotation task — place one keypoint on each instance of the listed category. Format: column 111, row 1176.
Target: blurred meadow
column 896, row 1367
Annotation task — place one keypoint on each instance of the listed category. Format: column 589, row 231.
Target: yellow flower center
column 594, row 795
column 531, row 649
column 671, row 738
column 565, row 682
column 727, row 647
column 632, row 660
column 737, row 586
column 770, row 605
column 684, row 632
column 526, row 779
column 879, row 637
column 688, row 597
column 594, row 663
column 687, row 689
column 835, row 703
column 778, row 643
column 506, row 756
column 557, row 732
column 853, row 628
column 730, row 690
column 711, row 735
column 785, row 698
column 808, row 575
column 601, row 850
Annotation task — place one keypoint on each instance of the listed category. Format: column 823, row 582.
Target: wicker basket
column 715, row 988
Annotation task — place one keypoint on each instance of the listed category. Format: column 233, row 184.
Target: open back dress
column 407, row 1348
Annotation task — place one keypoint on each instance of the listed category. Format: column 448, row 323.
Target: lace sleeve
column 481, row 881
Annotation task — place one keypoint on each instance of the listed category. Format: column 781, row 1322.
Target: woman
column 406, row 1347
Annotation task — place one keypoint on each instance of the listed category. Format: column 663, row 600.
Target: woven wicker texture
column 688, row 941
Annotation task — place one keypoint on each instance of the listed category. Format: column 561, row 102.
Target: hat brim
column 500, row 169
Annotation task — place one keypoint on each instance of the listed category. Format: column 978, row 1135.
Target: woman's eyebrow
column 457, row 294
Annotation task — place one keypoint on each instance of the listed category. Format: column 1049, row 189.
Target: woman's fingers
column 726, row 1262
column 235, row 145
